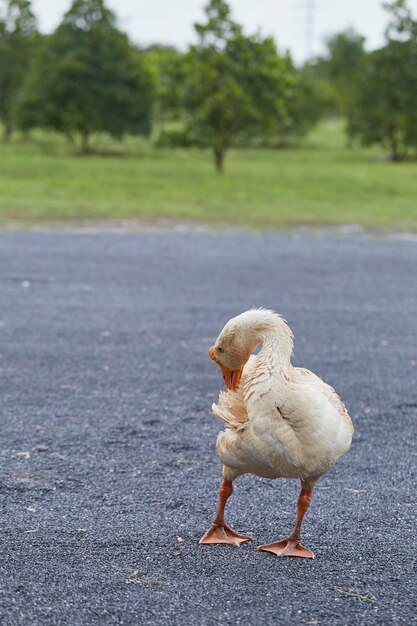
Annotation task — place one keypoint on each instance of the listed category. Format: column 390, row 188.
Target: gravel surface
column 108, row 469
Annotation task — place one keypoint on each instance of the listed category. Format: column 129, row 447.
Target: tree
column 87, row 79
column 232, row 85
column 384, row 107
column 17, row 40
column 336, row 74
column 303, row 108
column 402, row 24
column 346, row 57
column 164, row 64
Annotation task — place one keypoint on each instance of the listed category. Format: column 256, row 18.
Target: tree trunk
column 395, row 154
column 70, row 138
column 219, row 159
column 85, row 142
column 7, row 134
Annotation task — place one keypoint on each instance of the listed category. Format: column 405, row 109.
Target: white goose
column 281, row 421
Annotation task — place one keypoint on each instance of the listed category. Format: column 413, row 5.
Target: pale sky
column 171, row 21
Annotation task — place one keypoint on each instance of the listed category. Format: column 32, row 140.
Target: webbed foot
column 223, row 534
column 288, row 547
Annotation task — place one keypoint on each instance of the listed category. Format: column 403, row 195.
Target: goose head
column 242, row 334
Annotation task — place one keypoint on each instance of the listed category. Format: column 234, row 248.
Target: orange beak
column 231, row 377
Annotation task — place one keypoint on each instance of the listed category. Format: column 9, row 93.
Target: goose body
column 298, row 429
column 280, row 421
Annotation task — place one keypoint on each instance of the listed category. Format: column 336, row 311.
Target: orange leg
column 291, row 546
column 218, row 531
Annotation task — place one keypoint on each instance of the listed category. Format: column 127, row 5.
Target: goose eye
column 220, row 350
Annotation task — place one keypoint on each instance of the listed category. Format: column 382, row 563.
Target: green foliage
column 402, row 23
column 345, row 54
column 87, row 79
column 302, row 109
column 345, row 61
column 164, row 64
column 384, row 109
column 17, row 42
column 232, row 86
column 336, row 74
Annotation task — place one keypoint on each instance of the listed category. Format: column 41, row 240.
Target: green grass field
column 322, row 182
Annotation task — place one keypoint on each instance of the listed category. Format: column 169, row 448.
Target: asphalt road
column 108, row 469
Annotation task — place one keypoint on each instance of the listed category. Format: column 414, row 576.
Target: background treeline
column 228, row 89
